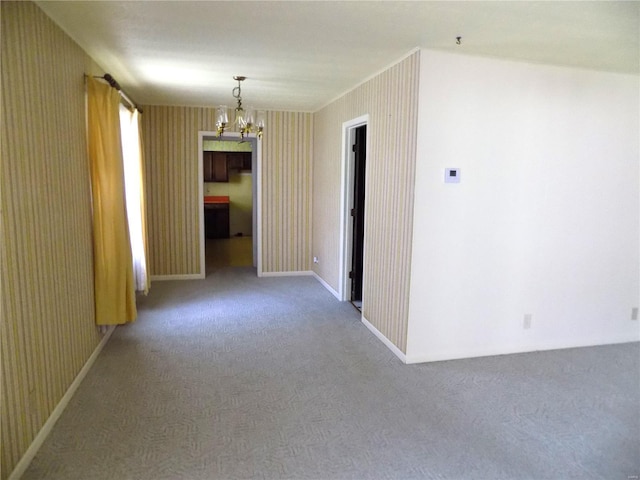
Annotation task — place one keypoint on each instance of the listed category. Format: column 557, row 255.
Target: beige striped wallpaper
column 286, row 192
column 173, row 205
column 170, row 136
column 391, row 100
column 47, row 330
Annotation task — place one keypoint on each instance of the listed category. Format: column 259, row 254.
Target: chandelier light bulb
column 249, row 117
column 222, row 119
column 240, row 118
column 260, row 119
column 260, row 123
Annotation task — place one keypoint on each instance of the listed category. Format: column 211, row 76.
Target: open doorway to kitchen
column 229, row 187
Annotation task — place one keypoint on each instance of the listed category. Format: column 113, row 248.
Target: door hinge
column 354, row 147
column 353, row 212
column 351, row 274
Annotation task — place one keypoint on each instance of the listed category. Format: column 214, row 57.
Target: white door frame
column 256, row 169
column 346, row 203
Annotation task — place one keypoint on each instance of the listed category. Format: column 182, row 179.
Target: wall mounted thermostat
column 451, row 175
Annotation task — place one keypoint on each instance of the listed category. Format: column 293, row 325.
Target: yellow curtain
column 143, row 205
column 113, row 267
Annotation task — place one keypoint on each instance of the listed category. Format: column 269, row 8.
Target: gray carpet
column 239, row 377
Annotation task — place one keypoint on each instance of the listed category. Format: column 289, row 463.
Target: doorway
column 359, row 149
column 230, row 204
column 353, row 246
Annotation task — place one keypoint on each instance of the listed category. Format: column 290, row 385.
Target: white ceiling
column 301, row 55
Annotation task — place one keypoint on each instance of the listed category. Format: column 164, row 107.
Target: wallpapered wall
column 173, row 204
column 286, row 192
column 391, row 100
column 47, row 331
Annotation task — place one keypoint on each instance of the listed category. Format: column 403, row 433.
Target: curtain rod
column 113, row 83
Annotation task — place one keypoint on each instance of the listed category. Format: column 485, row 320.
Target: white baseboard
column 194, row 276
column 39, row 439
column 292, row 273
column 462, row 354
column 510, row 350
column 388, row 343
column 327, row 286
column 302, row 273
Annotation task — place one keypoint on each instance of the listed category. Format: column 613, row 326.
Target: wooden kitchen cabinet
column 207, row 166
column 214, row 167
column 239, row 160
column 216, row 220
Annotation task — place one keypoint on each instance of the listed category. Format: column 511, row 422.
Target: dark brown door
column 360, row 157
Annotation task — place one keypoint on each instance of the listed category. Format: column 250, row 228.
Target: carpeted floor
column 238, row 377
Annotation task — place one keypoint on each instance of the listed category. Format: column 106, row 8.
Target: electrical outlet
column 315, row 260
column 634, row 313
column 526, row 324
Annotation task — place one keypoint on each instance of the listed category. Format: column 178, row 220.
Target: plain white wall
column 545, row 220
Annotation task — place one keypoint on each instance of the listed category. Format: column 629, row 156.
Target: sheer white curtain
column 133, row 180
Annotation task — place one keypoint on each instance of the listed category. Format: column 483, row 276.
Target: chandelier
column 246, row 121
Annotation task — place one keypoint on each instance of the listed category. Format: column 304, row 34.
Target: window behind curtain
column 131, row 156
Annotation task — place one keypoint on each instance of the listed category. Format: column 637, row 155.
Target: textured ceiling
column 301, row 55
